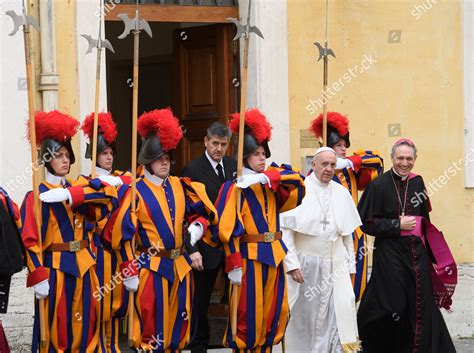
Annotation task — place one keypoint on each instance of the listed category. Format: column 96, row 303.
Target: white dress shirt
column 214, row 164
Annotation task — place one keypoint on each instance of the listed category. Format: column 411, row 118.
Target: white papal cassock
column 319, row 241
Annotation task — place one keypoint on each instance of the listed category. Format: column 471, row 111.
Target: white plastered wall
column 267, row 82
column 88, row 23
column 468, row 26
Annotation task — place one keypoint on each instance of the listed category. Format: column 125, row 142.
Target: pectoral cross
column 324, row 222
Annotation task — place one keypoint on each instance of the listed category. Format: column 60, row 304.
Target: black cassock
column 11, row 260
column 398, row 313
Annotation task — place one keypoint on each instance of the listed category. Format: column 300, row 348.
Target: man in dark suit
column 211, row 169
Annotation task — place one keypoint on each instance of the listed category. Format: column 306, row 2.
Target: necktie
column 220, row 172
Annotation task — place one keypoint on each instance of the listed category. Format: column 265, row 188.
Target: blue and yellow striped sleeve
column 96, row 192
column 101, row 196
column 368, row 165
column 288, row 185
column 198, row 205
column 32, row 242
column 121, row 228
column 230, row 226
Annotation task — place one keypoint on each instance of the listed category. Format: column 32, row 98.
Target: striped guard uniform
column 368, row 165
column 71, row 312
column 111, row 294
column 263, row 311
column 163, row 302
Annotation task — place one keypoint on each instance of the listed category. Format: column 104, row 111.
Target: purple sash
column 444, row 271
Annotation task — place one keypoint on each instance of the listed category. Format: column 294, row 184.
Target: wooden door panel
column 205, row 61
column 154, row 92
column 201, row 80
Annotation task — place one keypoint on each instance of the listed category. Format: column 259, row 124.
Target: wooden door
column 206, row 87
column 155, row 92
column 206, row 90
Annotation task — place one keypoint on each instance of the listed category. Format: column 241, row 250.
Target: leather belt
column 72, row 246
column 266, row 237
column 170, row 254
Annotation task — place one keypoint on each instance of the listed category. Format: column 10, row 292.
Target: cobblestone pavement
column 462, row 346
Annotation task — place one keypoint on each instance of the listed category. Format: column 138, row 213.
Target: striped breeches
column 162, row 320
column 113, row 302
column 71, row 314
column 361, row 250
column 263, row 311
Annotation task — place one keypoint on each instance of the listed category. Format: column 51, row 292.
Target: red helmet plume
column 336, row 120
column 163, row 124
column 54, row 125
column 255, row 123
column 106, row 126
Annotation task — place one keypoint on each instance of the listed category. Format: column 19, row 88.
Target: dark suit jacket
column 201, row 170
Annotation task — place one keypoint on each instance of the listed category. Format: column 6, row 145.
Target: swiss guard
column 60, row 259
column 252, row 240
column 112, row 296
column 166, row 207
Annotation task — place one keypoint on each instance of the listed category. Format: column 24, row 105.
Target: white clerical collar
column 401, row 177
column 213, row 162
column 54, row 179
column 101, row 171
column 248, row 171
column 153, row 178
column 317, row 181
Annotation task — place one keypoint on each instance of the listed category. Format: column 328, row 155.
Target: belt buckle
column 74, row 246
column 175, row 253
column 269, row 237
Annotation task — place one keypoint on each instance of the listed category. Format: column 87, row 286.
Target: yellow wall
column 66, row 64
column 417, row 83
column 66, row 59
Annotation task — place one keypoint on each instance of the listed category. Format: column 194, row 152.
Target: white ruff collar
column 54, row 179
column 101, row 171
column 153, row 178
column 248, row 171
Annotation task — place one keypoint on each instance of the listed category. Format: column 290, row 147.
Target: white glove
column 250, row 179
column 111, row 180
column 55, row 195
column 41, row 289
column 344, row 163
column 235, row 276
column 131, row 283
column 195, row 232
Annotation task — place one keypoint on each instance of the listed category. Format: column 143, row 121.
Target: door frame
column 177, row 13
column 174, row 13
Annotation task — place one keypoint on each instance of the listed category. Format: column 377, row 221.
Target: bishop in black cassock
column 398, row 312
